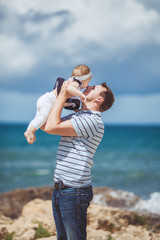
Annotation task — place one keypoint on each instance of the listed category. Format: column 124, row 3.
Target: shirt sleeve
column 64, row 118
column 85, row 126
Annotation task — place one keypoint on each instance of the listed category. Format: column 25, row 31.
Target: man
column 81, row 134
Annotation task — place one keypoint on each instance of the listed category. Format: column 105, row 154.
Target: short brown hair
column 108, row 98
column 80, row 70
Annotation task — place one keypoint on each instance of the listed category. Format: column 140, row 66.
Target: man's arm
column 54, row 124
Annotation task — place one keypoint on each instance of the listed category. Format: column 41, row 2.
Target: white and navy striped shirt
column 75, row 154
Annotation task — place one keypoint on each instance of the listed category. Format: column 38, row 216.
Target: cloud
column 127, row 109
column 154, row 4
column 74, row 31
column 134, row 109
column 15, row 56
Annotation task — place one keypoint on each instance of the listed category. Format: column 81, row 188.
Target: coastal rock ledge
column 26, row 214
column 104, row 223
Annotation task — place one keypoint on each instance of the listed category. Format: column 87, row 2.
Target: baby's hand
column 83, row 97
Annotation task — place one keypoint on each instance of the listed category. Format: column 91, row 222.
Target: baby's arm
column 74, row 91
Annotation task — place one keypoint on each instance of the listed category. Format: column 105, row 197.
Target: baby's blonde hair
column 80, row 70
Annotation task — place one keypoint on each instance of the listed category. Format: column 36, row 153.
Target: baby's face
column 85, row 83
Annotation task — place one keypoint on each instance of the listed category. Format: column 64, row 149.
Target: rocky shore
column 26, row 214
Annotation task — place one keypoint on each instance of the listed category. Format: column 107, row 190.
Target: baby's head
column 83, row 74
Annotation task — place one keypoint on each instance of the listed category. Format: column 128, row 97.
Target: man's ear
column 99, row 100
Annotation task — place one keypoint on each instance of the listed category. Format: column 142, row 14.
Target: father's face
column 93, row 92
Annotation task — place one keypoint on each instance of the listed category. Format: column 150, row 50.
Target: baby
column 80, row 78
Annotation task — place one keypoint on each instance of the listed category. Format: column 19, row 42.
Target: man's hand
column 54, row 124
column 83, row 98
column 64, row 93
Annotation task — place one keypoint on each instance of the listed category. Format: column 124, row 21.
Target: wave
column 127, row 200
column 151, row 205
column 42, row 172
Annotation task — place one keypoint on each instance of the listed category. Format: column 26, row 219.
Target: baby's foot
column 31, row 140
column 30, row 137
column 26, row 134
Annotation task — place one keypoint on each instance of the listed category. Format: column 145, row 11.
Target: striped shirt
column 75, row 154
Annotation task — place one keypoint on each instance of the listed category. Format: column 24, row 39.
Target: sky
column 119, row 40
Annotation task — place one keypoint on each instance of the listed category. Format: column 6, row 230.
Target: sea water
column 128, row 158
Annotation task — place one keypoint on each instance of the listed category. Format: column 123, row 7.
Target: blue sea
column 128, row 158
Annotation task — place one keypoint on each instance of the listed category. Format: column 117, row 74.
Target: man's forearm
column 54, row 124
column 54, row 118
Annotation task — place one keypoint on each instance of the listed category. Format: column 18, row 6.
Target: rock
column 11, row 203
column 104, row 218
column 48, row 238
column 93, row 234
column 39, row 210
column 112, row 219
column 114, row 198
column 28, row 235
column 135, row 233
column 25, row 226
column 103, row 223
column 3, row 222
column 3, row 232
column 4, row 219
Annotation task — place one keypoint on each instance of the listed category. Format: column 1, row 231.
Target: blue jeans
column 70, row 212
